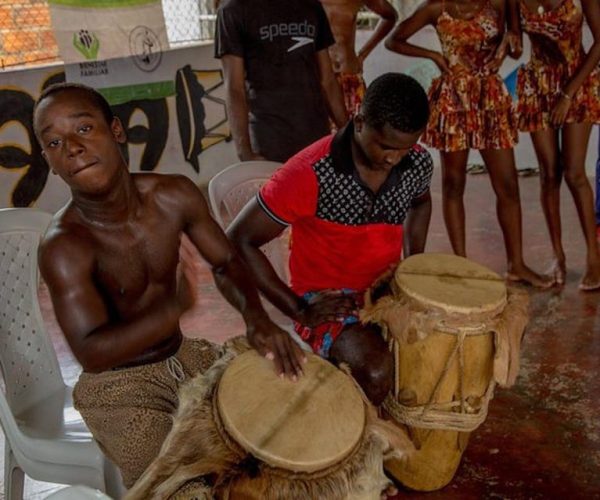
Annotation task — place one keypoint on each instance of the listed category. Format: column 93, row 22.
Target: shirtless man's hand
column 277, row 345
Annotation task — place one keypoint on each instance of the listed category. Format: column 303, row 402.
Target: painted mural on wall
column 16, row 107
column 187, row 133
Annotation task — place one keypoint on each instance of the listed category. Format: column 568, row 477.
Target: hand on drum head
column 276, row 344
column 325, row 306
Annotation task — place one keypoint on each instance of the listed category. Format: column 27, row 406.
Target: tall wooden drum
column 446, row 320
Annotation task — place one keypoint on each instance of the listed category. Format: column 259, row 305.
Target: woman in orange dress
column 559, row 101
column 471, row 109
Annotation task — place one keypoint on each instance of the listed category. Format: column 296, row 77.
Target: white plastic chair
column 77, row 493
column 46, row 437
column 232, row 188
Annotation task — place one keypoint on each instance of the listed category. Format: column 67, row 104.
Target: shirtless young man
column 110, row 260
column 347, row 64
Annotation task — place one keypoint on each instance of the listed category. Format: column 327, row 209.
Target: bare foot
column 526, row 276
column 591, row 279
column 558, row 270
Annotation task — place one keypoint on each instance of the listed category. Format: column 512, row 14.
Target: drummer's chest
column 130, row 262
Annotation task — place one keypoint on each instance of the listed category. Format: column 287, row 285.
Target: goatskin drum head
column 451, row 283
column 301, row 426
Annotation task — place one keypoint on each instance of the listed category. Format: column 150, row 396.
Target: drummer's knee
column 363, row 349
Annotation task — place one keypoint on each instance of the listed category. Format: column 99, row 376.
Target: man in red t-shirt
column 349, row 199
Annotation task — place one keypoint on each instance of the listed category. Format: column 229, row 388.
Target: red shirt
column 343, row 235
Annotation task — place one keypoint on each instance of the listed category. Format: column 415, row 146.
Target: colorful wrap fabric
column 470, row 105
column 556, row 54
column 321, row 337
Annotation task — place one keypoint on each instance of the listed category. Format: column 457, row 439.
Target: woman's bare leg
column 503, row 174
column 454, row 173
column 546, row 146
column 575, row 142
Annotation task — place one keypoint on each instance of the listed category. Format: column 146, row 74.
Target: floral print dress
column 556, row 54
column 470, row 105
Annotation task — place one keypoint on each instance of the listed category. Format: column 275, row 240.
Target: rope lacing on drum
column 175, row 369
column 442, row 416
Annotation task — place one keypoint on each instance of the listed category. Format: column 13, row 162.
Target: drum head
column 301, row 426
column 451, row 283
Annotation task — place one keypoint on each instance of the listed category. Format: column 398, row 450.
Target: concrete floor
column 542, row 437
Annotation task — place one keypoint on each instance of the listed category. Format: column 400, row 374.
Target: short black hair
column 398, row 100
column 95, row 97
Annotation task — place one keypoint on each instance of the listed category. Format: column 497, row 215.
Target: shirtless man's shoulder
column 166, row 193
column 172, row 192
column 67, row 238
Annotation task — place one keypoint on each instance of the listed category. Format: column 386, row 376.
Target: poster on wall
column 123, row 80
column 186, row 133
column 92, row 30
column 116, row 46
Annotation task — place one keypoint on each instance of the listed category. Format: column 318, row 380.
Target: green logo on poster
column 86, row 43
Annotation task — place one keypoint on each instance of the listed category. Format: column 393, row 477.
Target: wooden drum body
column 442, row 321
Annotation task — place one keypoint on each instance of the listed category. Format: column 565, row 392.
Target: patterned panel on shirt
column 343, row 200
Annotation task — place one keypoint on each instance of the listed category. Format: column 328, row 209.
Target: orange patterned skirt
column 470, row 112
column 538, row 89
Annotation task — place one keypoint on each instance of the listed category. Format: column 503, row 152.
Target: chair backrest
column 27, row 357
column 232, row 188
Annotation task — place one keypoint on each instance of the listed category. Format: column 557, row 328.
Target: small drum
column 454, row 330
column 254, row 435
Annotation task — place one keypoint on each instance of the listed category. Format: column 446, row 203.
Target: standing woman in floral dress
column 559, row 101
column 471, row 109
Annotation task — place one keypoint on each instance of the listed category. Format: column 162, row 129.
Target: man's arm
column 98, row 343
column 331, row 89
column 384, row 26
column 235, row 282
column 237, row 106
column 427, row 13
column 515, row 33
column 416, row 225
column 254, row 228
